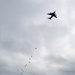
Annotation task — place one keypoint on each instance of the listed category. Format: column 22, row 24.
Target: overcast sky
column 24, row 26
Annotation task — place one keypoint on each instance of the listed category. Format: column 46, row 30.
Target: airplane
column 53, row 14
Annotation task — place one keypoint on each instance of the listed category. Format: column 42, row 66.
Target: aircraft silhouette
column 53, row 14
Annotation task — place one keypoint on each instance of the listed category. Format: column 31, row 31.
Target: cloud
column 24, row 26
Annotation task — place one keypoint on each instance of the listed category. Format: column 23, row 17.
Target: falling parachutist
column 31, row 55
column 21, row 72
column 35, row 48
column 29, row 58
column 29, row 61
column 25, row 65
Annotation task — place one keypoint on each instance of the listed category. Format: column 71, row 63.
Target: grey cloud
column 58, row 59
column 68, row 68
column 19, row 35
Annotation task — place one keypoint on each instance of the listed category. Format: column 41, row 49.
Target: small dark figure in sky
column 35, row 48
column 28, row 61
column 25, row 65
column 22, row 72
column 53, row 14
column 31, row 55
column 29, row 58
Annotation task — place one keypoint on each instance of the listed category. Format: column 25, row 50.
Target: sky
column 24, row 26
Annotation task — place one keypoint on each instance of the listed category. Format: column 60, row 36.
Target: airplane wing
column 55, row 15
column 50, row 17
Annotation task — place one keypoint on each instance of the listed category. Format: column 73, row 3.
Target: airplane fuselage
column 52, row 15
